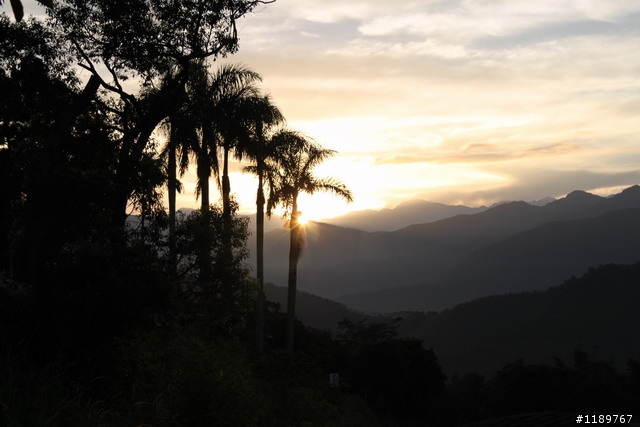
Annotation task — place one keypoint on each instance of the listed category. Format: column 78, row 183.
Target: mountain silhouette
column 410, row 212
column 532, row 259
column 313, row 311
column 596, row 313
column 338, row 262
column 525, row 261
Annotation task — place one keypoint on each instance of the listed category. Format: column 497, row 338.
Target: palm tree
column 294, row 164
column 259, row 147
column 206, row 122
column 229, row 89
column 226, row 114
column 182, row 143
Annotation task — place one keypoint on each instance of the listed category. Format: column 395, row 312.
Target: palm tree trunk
column 203, row 179
column 260, row 201
column 226, row 185
column 226, row 206
column 172, row 188
column 227, row 249
column 294, row 256
column 260, row 264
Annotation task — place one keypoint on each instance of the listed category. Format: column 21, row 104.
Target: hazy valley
column 510, row 247
column 595, row 313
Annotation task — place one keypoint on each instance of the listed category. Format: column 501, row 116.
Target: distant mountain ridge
column 341, row 261
column 525, row 261
column 313, row 311
column 411, row 212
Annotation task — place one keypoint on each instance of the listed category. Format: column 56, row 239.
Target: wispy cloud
column 483, row 153
column 458, row 100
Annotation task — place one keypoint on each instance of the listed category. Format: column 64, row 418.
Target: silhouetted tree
column 400, row 380
column 151, row 41
column 37, row 82
column 181, row 128
column 213, row 99
column 260, row 148
column 231, row 86
column 261, row 115
column 224, row 300
column 293, row 165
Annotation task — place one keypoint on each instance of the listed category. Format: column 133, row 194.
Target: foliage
column 397, row 377
column 32, row 41
column 215, row 124
column 225, row 298
column 37, row 171
column 148, row 37
column 41, row 398
column 520, row 392
column 295, row 158
column 107, row 324
column 18, row 9
column 173, row 377
column 297, row 384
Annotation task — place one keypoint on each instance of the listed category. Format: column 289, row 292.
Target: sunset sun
column 303, row 219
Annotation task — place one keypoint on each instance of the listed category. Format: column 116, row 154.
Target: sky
column 457, row 101
column 453, row 101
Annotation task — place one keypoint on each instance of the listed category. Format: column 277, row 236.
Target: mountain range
column 596, row 314
column 514, row 246
column 410, row 212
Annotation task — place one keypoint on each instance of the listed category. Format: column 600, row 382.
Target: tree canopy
column 147, row 38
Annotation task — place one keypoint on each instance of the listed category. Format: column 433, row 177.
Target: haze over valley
column 514, row 246
column 532, row 281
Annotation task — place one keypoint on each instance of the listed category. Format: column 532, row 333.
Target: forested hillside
column 595, row 313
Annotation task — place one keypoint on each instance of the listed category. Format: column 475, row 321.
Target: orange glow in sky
column 452, row 101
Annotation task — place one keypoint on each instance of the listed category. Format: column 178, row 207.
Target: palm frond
column 331, row 185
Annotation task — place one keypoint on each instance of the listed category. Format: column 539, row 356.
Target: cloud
column 458, row 99
column 429, row 47
column 470, row 20
column 479, row 153
column 337, row 10
column 538, row 183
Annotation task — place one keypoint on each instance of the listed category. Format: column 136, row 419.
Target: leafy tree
column 174, row 378
column 223, row 123
column 236, row 108
column 41, row 172
column 400, row 379
column 209, row 121
column 148, row 40
column 293, row 165
column 223, row 301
